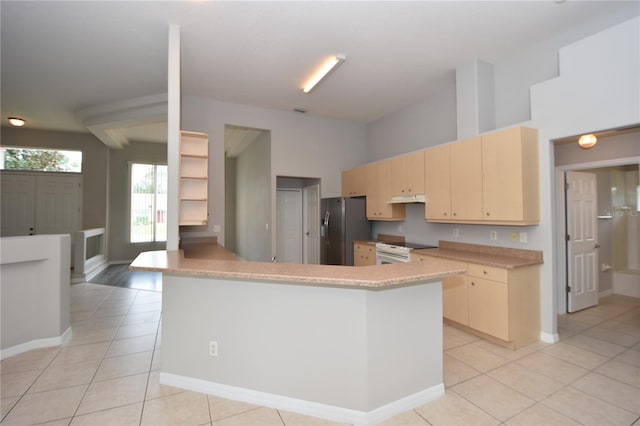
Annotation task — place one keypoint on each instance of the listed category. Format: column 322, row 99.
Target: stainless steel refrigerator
column 343, row 221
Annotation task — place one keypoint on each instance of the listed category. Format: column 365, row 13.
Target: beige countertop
column 219, row 263
column 500, row 257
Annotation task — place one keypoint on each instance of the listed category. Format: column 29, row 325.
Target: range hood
column 407, row 199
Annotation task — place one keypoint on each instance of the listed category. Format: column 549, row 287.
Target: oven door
column 386, row 258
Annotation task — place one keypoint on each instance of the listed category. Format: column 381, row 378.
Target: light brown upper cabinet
column 492, row 179
column 466, row 180
column 407, row 174
column 437, row 183
column 379, row 193
column 354, row 182
column 510, row 189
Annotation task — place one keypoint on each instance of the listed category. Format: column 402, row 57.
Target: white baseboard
column 605, row 293
column 88, row 275
column 36, row 344
column 308, row 408
column 626, row 284
column 549, row 338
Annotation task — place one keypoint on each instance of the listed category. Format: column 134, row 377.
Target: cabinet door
column 415, row 173
column 379, row 192
column 466, row 180
column 455, row 299
column 407, row 174
column 510, row 176
column 502, row 169
column 354, row 182
column 437, row 183
column 489, row 307
column 399, row 175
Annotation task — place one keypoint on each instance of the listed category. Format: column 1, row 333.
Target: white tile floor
column 107, row 374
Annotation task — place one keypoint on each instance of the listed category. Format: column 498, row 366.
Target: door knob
column 597, row 245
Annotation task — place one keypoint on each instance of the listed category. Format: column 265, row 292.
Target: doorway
column 298, row 220
column 616, row 217
column 248, row 193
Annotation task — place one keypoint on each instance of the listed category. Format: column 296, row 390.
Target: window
column 148, row 198
column 42, row 160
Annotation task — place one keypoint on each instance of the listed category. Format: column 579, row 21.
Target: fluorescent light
column 15, row 121
column 587, row 141
column 326, row 69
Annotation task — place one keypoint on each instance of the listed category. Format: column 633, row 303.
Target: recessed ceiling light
column 17, row 122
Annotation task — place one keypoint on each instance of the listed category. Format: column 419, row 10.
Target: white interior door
column 18, row 204
column 289, row 231
column 582, row 244
column 311, row 226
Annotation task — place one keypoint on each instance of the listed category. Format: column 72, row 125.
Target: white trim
column 549, row 338
column 36, row 344
column 309, row 408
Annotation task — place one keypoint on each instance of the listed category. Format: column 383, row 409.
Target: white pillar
column 173, row 137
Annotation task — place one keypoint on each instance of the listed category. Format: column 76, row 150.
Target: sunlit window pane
column 42, row 160
column 148, row 203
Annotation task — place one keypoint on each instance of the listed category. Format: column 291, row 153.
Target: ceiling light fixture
column 322, row 73
column 587, row 141
column 17, row 122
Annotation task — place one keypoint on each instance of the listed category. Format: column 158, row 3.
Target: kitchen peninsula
column 355, row 345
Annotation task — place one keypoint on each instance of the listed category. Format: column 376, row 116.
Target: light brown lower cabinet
column 502, row 305
column 364, row 254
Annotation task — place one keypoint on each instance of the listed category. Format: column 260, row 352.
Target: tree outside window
column 43, row 160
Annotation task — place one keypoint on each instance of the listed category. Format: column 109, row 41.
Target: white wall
column 515, row 74
column 430, row 122
column 301, row 146
column 35, row 311
column 587, row 96
column 253, row 201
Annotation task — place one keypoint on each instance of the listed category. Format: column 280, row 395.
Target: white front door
column 311, row 227
column 18, row 204
column 58, row 204
column 582, row 244
column 289, row 231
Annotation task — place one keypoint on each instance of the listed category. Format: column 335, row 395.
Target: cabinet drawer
column 488, row 272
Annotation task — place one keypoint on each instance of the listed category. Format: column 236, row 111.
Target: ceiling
column 95, row 65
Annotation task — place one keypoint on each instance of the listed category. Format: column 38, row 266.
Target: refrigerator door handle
column 325, row 224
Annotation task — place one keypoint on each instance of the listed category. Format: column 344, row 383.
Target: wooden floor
column 121, row 276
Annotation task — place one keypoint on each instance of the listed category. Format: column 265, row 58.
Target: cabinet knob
column 455, row 214
column 445, row 214
column 488, row 214
column 472, row 283
column 484, row 272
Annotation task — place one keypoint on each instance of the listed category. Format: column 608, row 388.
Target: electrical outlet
column 213, row 348
column 514, row 237
column 456, row 232
column 217, row 228
column 523, row 237
column 493, row 235
column 399, row 228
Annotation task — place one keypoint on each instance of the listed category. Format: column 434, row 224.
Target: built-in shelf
column 194, row 178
